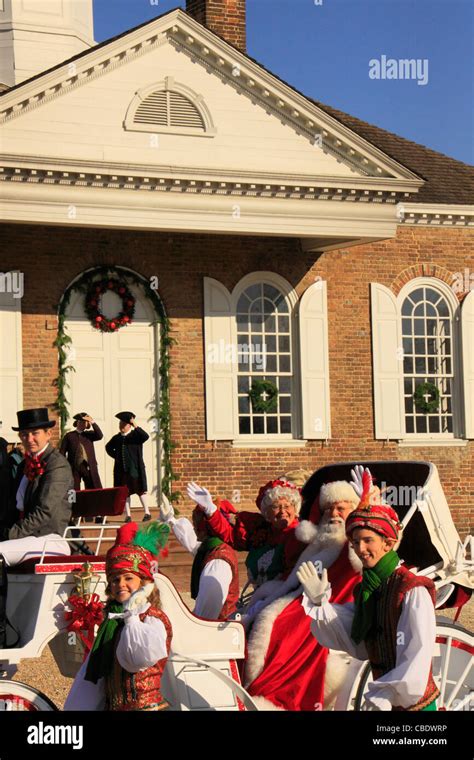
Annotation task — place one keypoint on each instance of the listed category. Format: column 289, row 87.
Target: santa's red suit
column 285, row 667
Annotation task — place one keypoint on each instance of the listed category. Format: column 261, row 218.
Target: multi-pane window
column 427, row 360
column 264, row 353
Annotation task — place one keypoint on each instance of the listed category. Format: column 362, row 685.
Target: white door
column 115, row 372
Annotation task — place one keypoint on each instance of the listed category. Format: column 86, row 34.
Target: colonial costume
column 41, row 507
column 124, row 668
column 286, row 667
column 215, row 571
column 78, row 448
column 126, row 448
column 272, row 552
column 392, row 622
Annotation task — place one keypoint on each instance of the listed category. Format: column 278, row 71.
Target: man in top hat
column 126, row 448
column 215, row 571
column 78, row 448
column 392, row 621
column 41, row 509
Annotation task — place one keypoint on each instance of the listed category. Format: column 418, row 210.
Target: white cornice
column 247, row 76
column 48, row 171
column 435, row 214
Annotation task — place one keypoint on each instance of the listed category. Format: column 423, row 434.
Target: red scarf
column 33, row 467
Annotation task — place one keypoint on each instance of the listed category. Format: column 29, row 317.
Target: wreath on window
column 263, row 395
column 98, row 320
column 427, row 398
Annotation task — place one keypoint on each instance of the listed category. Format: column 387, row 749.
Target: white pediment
column 80, row 115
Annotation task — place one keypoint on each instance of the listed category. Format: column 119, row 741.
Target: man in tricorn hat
column 126, row 448
column 41, row 509
column 78, row 448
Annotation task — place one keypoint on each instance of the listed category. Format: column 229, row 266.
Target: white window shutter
column 11, row 369
column 221, row 390
column 467, row 330
column 314, row 361
column 387, row 352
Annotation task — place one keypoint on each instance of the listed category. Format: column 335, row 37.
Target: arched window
column 422, row 344
column 428, row 360
column 261, row 332
column 264, row 338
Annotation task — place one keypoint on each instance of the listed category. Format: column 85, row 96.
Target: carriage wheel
column 16, row 696
column 453, row 669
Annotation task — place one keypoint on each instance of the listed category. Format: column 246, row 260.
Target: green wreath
column 421, row 403
column 259, row 404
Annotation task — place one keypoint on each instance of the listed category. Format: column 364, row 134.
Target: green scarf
column 207, row 545
column 372, row 579
column 101, row 658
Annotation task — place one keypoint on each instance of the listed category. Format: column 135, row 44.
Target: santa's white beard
column 331, row 532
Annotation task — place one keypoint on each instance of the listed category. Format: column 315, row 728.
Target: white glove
column 136, row 604
column 376, row 704
column 356, row 481
column 202, row 497
column 314, row 587
column 166, row 509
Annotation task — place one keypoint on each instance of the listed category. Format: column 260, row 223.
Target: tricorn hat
column 125, row 416
column 31, row 419
column 79, row 416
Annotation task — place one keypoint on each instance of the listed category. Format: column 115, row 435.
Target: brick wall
column 52, row 257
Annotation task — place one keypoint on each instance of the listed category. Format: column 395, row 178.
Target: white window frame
column 458, row 401
column 10, row 374
column 289, row 293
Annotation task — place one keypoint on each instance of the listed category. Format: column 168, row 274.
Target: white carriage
column 202, row 671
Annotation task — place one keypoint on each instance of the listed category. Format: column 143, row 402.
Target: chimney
column 224, row 17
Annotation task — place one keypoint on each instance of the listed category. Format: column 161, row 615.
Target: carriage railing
column 99, row 540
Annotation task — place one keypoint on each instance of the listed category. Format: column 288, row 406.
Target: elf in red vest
column 392, row 621
column 215, row 571
column 124, row 668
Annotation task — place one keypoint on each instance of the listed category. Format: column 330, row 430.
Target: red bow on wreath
column 86, row 613
column 34, row 467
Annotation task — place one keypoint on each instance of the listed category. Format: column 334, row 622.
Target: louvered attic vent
column 169, row 107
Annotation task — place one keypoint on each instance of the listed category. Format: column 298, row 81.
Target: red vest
column 382, row 645
column 126, row 691
column 225, row 552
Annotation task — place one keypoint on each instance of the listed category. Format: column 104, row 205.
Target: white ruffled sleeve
column 214, row 584
column 185, row 533
column 416, row 634
column 331, row 625
column 141, row 644
column 85, row 695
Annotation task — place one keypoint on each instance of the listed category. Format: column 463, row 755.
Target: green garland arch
column 162, row 415
column 422, row 405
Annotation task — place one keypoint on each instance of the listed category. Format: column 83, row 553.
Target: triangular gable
column 346, row 154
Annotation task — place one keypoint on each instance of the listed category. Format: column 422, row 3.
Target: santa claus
column 286, row 668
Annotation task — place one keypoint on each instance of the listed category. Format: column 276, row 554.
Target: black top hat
column 125, row 416
column 31, row 419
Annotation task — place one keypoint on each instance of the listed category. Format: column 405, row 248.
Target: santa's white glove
column 202, row 497
column 356, row 482
column 136, row 604
column 376, row 704
column 166, row 509
column 314, row 587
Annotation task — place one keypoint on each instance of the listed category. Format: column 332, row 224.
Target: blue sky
column 324, row 51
